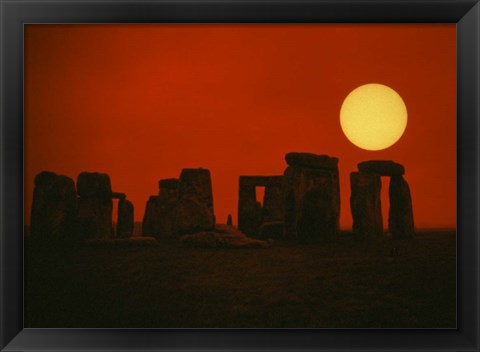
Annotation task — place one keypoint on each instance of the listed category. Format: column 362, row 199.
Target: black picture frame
column 16, row 13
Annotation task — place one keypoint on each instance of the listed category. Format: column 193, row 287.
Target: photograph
column 240, row 175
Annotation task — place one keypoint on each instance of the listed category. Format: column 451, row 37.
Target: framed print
column 250, row 176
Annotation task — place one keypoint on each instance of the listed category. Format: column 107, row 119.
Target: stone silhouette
column 312, row 197
column 118, row 195
column 381, row 167
column 229, row 220
column 95, row 205
column 251, row 214
column 151, row 215
column 168, row 183
column 400, row 217
column 365, row 200
column 125, row 221
column 194, row 210
column 54, row 207
column 313, row 161
column 365, row 204
column 273, row 201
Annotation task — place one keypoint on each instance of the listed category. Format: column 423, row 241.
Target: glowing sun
column 373, row 116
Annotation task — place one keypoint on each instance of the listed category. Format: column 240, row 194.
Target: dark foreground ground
column 341, row 285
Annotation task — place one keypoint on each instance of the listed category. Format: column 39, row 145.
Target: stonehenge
column 158, row 219
column 365, row 204
column 302, row 205
column 251, row 214
column 365, row 200
column 183, row 205
column 125, row 219
column 54, row 206
column 312, row 197
column 400, row 216
column 125, row 222
column 150, row 217
column 381, row 167
column 95, row 205
column 194, row 209
column 61, row 210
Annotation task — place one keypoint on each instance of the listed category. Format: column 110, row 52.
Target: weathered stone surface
column 273, row 204
column 118, row 195
column 196, row 184
column 261, row 181
column 229, row 220
column 400, row 218
column 94, row 185
column 365, row 205
column 192, row 216
column 54, row 206
column 194, row 210
column 95, row 205
column 251, row 214
column 310, row 160
column 159, row 218
column 381, row 167
column 151, row 216
column 95, row 217
column 312, row 202
column 125, row 219
column 271, row 230
column 316, row 222
column 168, row 183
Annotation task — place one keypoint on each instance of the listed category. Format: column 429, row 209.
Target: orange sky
column 141, row 102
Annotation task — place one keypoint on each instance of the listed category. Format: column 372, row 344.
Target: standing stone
column 196, row 184
column 400, row 217
column 94, row 185
column 250, row 212
column 118, row 195
column 365, row 205
column 54, row 206
column 194, row 210
column 312, row 197
column 229, row 220
column 151, row 216
column 168, row 183
column 167, row 202
column 125, row 218
column 273, row 203
column 95, row 205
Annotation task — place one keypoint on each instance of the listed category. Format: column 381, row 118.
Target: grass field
column 346, row 284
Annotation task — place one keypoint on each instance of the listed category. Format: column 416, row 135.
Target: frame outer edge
column 468, row 184
column 10, row 185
